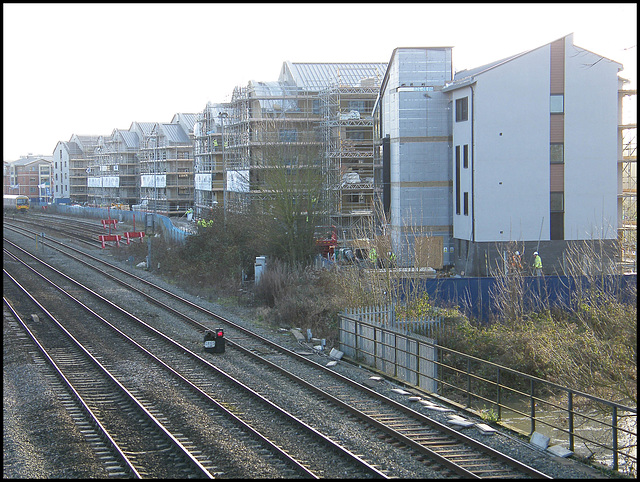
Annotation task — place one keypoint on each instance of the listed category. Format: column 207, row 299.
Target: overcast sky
column 90, row 68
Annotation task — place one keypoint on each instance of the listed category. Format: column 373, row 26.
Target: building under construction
column 72, row 161
column 166, row 166
column 208, row 153
column 349, row 155
column 315, row 117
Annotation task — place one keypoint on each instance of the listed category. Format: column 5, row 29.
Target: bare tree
column 291, row 184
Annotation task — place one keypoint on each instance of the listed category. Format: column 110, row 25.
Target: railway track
column 135, row 440
column 285, row 434
column 430, row 440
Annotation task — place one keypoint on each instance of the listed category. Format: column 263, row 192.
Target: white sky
column 90, row 68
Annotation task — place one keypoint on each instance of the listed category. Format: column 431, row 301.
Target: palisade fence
column 401, row 348
column 408, row 351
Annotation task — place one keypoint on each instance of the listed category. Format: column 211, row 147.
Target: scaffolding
column 628, row 162
column 166, row 170
column 209, row 165
column 349, row 155
column 267, row 118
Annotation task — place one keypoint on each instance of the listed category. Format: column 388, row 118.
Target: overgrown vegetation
column 590, row 345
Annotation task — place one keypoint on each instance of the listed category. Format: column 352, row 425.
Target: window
column 457, row 179
column 465, row 156
column 556, row 153
column 462, row 109
column 556, row 226
column 556, row 202
column 556, row 104
column 466, row 203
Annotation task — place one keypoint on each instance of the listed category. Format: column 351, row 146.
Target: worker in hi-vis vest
column 537, row 264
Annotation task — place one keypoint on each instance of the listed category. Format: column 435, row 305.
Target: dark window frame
column 457, row 179
column 462, row 109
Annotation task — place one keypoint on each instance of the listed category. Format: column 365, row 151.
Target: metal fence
column 143, row 220
column 394, row 346
column 375, row 337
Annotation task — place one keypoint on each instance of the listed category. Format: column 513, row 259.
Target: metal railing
column 373, row 337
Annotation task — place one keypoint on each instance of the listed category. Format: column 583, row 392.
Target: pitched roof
column 317, row 76
column 187, row 121
column 130, row 139
column 25, row 161
column 175, row 134
column 85, row 142
column 145, row 127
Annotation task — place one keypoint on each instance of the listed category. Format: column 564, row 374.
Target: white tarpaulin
column 153, row 180
column 202, row 181
column 238, row 181
column 111, row 181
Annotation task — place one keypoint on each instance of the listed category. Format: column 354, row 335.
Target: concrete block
column 455, row 417
column 299, row 336
column 539, row 440
column 559, row 451
column 414, row 399
column 436, row 408
column 485, row 429
column 460, row 423
column 332, row 363
column 400, row 391
column 335, row 354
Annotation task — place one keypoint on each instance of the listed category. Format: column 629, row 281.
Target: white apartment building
column 535, row 148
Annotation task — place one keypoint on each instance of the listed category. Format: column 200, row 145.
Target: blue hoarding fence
column 475, row 295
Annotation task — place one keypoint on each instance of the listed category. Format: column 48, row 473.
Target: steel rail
column 129, row 467
column 122, row 389
column 368, row 467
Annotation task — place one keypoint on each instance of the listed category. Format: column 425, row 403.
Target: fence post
column 571, row 438
column 417, row 363
column 533, row 408
column 375, row 346
column 355, row 326
column 395, row 354
column 498, row 395
column 468, row 382
column 614, row 426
